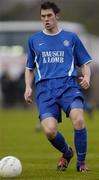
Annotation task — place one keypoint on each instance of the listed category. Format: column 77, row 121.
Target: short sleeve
column 30, row 55
column 80, row 53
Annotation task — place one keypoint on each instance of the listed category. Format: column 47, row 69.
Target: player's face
column 49, row 18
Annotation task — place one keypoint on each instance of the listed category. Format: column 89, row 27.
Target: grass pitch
column 18, row 137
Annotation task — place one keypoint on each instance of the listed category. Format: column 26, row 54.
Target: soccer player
column 53, row 57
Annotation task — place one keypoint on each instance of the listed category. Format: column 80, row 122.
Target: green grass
column 19, row 138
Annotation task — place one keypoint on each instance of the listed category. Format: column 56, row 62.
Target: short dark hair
column 50, row 5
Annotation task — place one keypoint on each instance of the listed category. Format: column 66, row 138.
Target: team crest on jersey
column 66, row 43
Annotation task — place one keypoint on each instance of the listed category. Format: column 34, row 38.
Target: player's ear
column 57, row 16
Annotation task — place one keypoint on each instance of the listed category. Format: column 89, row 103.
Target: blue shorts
column 56, row 94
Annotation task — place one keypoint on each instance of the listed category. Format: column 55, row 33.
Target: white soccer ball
column 10, row 167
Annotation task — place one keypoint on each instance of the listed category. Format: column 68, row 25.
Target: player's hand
column 84, row 82
column 28, row 95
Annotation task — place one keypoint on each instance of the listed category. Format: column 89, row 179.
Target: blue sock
column 59, row 143
column 80, row 140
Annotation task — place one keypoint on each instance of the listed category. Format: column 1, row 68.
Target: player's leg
column 50, row 114
column 49, row 126
column 80, row 133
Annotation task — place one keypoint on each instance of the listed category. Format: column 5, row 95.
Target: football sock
column 68, row 153
column 80, row 140
column 59, row 143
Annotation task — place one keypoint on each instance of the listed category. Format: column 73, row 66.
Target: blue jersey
column 56, row 56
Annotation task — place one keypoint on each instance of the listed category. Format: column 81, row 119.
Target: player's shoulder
column 70, row 33
column 35, row 36
column 70, row 36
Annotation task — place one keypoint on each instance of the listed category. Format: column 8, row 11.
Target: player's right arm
column 29, row 72
column 29, row 76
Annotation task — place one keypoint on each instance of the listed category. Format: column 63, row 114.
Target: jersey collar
column 44, row 31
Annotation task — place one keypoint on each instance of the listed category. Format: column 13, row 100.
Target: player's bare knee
column 50, row 133
column 50, row 127
column 79, row 123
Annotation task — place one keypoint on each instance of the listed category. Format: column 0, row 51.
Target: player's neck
column 52, row 31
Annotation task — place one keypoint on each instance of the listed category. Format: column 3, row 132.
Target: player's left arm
column 85, row 78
